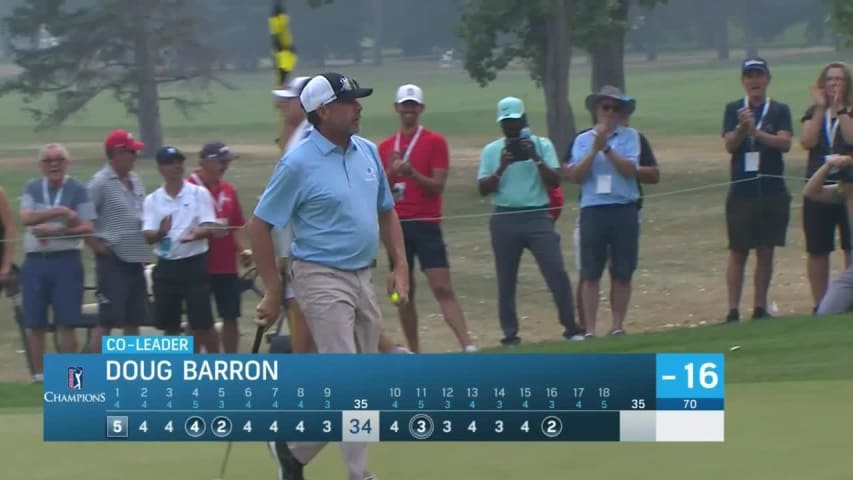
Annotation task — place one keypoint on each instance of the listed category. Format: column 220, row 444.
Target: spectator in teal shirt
column 517, row 171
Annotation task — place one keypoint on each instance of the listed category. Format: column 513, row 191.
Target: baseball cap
column 755, row 63
column 122, row 139
column 410, row 93
column 330, row 87
column 217, row 150
column 168, row 154
column 292, row 89
column 510, row 107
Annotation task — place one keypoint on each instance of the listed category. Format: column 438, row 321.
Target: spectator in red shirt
column 226, row 247
column 416, row 161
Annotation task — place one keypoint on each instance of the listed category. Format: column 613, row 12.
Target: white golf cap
column 292, row 89
column 410, row 93
column 330, row 87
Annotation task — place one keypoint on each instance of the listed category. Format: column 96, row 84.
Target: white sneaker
column 402, row 349
column 38, row 378
column 578, row 338
column 470, row 349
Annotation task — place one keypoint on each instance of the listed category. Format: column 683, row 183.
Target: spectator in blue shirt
column 757, row 132
column 57, row 212
column 647, row 172
column 605, row 162
column 333, row 190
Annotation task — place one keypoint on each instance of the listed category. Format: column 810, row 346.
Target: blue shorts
column 55, row 280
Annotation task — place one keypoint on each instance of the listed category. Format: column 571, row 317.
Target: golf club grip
column 259, row 335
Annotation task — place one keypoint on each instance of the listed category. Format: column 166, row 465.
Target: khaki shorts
column 340, row 307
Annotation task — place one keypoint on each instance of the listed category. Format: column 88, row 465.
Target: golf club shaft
column 256, row 346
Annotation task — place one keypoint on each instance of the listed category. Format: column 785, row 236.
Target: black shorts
column 122, row 292
column 612, row 230
column 820, row 220
column 757, row 222
column 424, row 240
column 179, row 283
column 226, row 295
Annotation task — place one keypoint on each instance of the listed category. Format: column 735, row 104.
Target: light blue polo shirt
column 520, row 185
column 626, row 142
column 333, row 200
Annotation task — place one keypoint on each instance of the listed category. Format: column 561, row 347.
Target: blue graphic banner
column 169, row 394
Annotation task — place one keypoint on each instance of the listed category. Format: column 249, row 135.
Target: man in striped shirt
column 120, row 248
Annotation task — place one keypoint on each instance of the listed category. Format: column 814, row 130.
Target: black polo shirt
column 647, row 159
column 822, row 149
column 778, row 118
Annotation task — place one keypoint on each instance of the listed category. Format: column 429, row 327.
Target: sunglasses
column 609, row 107
column 53, row 159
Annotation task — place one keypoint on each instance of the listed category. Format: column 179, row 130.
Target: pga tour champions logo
column 74, row 385
column 75, row 378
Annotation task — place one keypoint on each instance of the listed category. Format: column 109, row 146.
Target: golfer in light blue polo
column 517, row 171
column 333, row 190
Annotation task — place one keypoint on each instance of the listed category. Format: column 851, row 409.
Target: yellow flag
column 282, row 42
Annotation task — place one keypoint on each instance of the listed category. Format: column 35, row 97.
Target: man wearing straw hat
column 605, row 162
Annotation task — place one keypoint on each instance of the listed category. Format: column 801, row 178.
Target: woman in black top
column 821, row 135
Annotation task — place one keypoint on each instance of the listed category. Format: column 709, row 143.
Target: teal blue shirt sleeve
column 549, row 154
column 282, row 196
column 487, row 162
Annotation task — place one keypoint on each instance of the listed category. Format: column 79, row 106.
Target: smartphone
column 513, row 146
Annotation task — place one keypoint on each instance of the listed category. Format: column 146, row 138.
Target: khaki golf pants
column 343, row 316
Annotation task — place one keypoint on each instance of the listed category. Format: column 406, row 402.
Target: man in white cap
column 416, row 161
column 332, row 189
column 295, row 129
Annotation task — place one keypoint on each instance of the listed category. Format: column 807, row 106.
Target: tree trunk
column 148, row 109
column 555, row 78
column 608, row 54
column 722, row 36
column 379, row 21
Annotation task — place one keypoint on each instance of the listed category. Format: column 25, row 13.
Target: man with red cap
column 121, row 252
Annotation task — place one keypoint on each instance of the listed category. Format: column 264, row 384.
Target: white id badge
column 751, row 162
column 398, row 190
column 604, row 184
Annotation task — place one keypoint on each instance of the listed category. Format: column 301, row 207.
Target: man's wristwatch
column 606, row 150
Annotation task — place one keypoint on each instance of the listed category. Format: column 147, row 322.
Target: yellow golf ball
column 395, row 297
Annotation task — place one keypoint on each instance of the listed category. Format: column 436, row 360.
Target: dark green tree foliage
column 841, row 14
column 226, row 24
column 124, row 48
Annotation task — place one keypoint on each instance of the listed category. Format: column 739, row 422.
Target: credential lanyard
column 411, row 144
column 46, row 193
column 220, row 199
column 760, row 119
column 831, row 129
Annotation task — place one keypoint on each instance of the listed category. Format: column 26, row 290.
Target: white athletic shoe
column 38, row 378
column 401, row 349
column 470, row 349
column 578, row 338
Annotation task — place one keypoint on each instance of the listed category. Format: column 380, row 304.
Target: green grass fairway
column 787, row 390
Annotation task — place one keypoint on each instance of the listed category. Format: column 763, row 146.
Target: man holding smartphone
column 517, row 171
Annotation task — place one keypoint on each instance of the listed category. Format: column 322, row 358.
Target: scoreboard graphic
column 155, row 389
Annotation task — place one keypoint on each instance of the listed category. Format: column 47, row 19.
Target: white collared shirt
column 193, row 206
